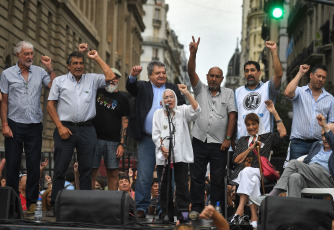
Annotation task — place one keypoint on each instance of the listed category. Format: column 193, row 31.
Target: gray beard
column 111, row 88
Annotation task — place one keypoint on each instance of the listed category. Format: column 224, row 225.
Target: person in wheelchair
column 247, row 174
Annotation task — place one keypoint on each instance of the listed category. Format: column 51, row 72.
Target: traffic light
column 276, row 9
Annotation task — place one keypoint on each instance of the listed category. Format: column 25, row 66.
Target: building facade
column 252, row 44
column 161, row 43
column 311, row 38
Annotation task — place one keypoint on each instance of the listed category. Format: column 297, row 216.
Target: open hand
column 270, row 106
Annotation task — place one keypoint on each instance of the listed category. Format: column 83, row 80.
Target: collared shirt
column 322, row 158
column 24, row 105
column 76, row 100
column 157, row 97
column 305, row 111
column 211, row 124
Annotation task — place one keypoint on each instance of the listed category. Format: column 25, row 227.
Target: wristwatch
column 228, row 137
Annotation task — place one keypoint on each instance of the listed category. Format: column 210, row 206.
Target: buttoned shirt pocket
column 87, row 94
column 222, row 109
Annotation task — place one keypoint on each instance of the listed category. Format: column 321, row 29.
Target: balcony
column 310, row 55
column 157, row 23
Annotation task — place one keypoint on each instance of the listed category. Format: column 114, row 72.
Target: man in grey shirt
column 21, row 115
column 75, row 94
column 212, row 133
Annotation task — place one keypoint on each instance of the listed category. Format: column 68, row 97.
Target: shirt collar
column 257, row 86
column 307, row 88
column 154, row 86
column 72, row 78
column 19, row 70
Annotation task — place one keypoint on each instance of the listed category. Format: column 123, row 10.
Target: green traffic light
column 277, row 12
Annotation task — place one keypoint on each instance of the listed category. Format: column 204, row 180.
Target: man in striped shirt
column 21, row 115
column 308, row 101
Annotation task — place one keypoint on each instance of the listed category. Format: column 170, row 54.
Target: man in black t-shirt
column 111, row 122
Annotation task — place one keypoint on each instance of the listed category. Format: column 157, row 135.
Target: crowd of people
column 93, row 117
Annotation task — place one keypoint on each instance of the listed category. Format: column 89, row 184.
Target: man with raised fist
column 21, row 115
column 75, row 94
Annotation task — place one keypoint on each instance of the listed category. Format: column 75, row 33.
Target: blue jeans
column 205, row 153
column 29, row 137
column 299, row 148
column 146, row 165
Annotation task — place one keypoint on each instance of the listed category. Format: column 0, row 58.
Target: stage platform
column 50, row 223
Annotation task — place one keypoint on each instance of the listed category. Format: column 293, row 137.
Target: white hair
column 21, row 44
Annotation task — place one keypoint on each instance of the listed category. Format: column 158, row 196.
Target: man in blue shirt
column 148, row 96
column 308, row 101
column 21, row 115
column 74, row 94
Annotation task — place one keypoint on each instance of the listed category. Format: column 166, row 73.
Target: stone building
column 56, row 27
column 311, row 38
column 252, row 43
column 161, row 43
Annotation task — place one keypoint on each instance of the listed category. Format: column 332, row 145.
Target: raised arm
column 46, row 61
column 183, row 89
column 291, row 87
column 280, row 125
column 209, row 212
column 131, row 83
column 193, row 46
column 108, row 73
column 278, row 70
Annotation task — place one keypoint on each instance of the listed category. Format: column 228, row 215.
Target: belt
column 306, row 140
column 147, row 134
column 78, row 124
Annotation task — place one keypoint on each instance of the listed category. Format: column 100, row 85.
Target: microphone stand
column 170, row 163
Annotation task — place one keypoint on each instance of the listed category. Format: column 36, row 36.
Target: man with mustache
column 21, row 115
column 111, row 123
column 307, row 102
column 148, row 99
column 250, row 98
column 74, row 94
column 212, row 133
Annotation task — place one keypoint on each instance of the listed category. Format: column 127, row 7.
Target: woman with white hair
column 181, row 149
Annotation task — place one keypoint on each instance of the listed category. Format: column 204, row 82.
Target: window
column 157, row 14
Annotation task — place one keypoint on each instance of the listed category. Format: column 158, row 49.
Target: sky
column 216, row 22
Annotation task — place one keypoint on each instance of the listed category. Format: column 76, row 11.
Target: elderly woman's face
column 252, row 127
column 169, row 98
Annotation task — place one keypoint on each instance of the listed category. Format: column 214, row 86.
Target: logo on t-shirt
column 252, row 101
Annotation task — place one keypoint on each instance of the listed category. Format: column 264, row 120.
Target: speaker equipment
column 297, row 213
column 95, row 206
column 10, row 204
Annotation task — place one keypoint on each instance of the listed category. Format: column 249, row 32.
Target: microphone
column 167, row 107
